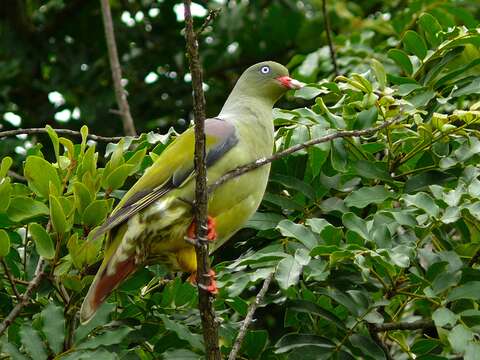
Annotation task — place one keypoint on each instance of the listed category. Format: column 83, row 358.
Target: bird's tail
column 106, row 280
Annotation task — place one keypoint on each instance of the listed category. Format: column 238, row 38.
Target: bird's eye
column 265, row 69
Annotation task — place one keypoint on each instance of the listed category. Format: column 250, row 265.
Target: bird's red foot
column 212, row 288
column 211, row 229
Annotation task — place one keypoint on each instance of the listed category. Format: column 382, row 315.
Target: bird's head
column 268, row 80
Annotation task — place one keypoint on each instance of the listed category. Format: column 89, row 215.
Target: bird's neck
column 241, row 104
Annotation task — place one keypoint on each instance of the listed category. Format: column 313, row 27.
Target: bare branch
column 263, row 161
column 205, row 300
column 128, row 125
column 10, row 279
column 328, row 31
column 249, row 318
column 379, row 341
column 68, row 132
column 25, row 298
column 15, row 175
column 212, row 14
column 415, row 325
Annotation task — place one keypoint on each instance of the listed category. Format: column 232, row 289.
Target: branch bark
column 67, row 132
column 249, row 318
column 25, row 298
column 263, row 161
column 415, row 325
column 10, row 279
column 121, row 96
column 328, row 32
column 205, row 300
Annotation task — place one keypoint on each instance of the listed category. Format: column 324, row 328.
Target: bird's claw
column 212, row 288
column 211, row 232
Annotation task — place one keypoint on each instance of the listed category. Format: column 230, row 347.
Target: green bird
column 150, row 223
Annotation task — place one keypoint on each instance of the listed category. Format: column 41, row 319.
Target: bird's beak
column 290, row 83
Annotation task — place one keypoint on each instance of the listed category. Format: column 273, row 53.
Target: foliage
column 359, row 232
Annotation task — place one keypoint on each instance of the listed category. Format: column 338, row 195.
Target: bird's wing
column 171, row 170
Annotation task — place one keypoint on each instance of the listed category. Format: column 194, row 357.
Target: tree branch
column 10, row 279
column 248, row 319
column 69, row 132
column 416, row 325
column 25, row 298
column 328, row 32
column 212, row 14
column 205, row 300
column 128, row 125
column 263, row 161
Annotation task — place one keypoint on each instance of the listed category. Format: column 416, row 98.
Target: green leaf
column 380, row 73
column 107, row 338
column 469, row 290
column 431, row 28
column 117, row 177
column 367, row 195
column 4, row 243
column 23, row 208
column 300, row 232
column 424, row 202
column 308, row 307
column 182, row 332
column 43, row 241
column 264, row 221
column 294, row 183
column 95, row 213
column 54, row 137
column 254, row 343
column 39, row 174
column 5, row 166
column 57, row 216
column 32, row 342
column 402, row 60
column 356, row 224
column 82, row 196
column 330, row 234
column 424, row 346
column 5, row 193
column 459, row 337
column 136, row 160
column 367, row 346
column 443, row 316
column 366, row 118
column 415, row 44
column 288, row 272
column 294, row 341
column 54, row 326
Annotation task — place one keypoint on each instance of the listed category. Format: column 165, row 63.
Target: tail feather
column 103, row 284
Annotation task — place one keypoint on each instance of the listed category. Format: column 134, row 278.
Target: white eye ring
column 265, row 69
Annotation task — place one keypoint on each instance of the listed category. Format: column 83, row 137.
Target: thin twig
column 328, row 31
column 128, row 125
column 69, row 132
column 10, row 279
column 25, row 298
column 205, row 299
column 15, row 175
column 249, row 318
column 212, row 14
column 415, row 325
column 263, row 161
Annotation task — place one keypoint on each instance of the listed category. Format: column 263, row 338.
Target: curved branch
column 263, row 161
column 248, row 319
column 121, row 96
column 69, row 132
column 415, row 325
column 25, row 298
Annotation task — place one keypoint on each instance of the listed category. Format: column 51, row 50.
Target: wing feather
column 221, row 137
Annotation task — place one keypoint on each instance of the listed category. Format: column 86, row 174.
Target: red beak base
column 290, row 83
